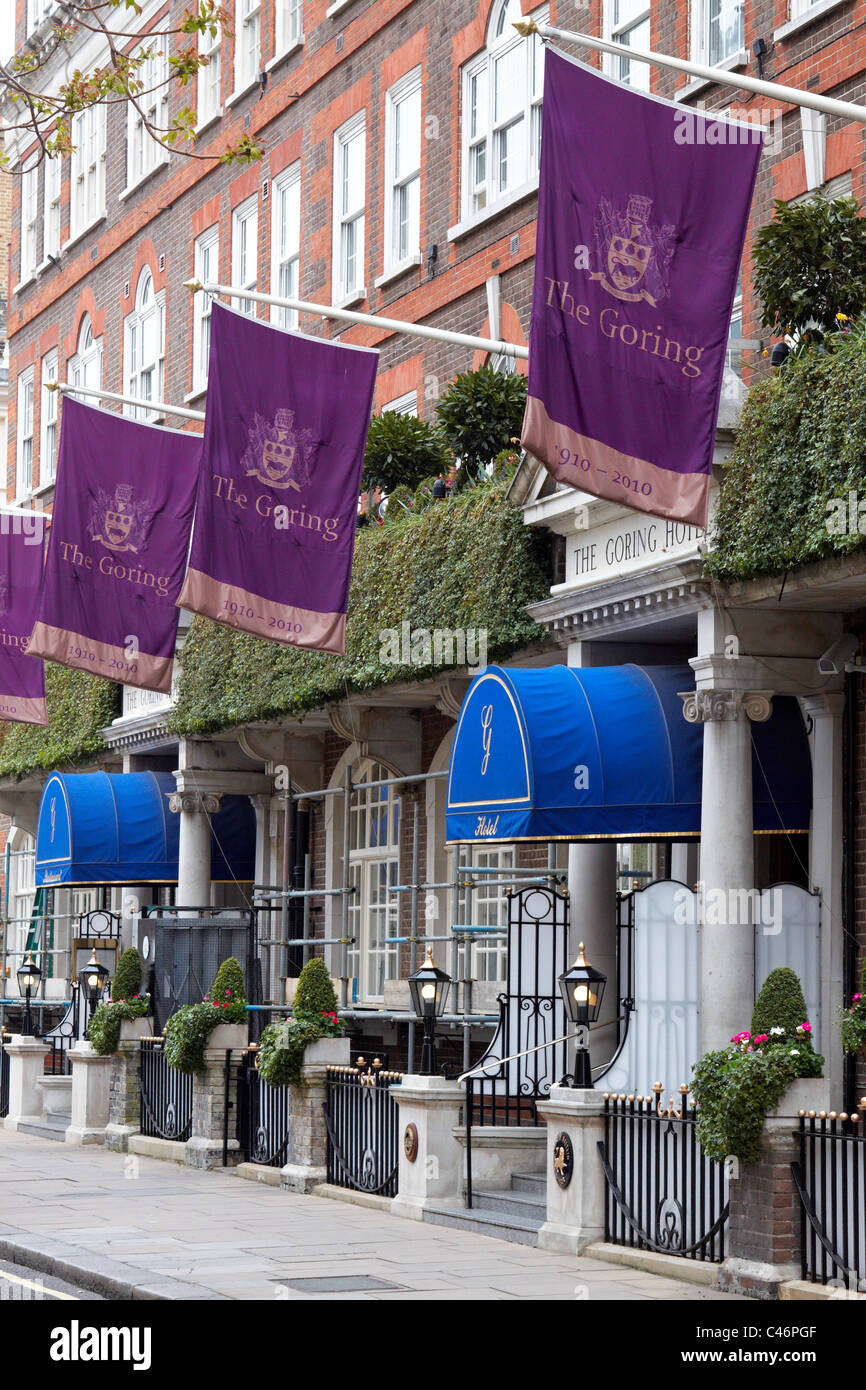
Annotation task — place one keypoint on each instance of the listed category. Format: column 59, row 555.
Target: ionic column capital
column 704, row 706
column 206, row 802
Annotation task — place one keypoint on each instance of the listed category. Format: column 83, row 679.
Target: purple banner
column 284, row 441
column 123, row 507
column 22, row 677
column 643, row 207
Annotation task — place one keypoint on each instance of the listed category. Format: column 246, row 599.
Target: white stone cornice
column 701, row 706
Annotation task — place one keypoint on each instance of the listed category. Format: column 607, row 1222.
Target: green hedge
column 79, row 705
column 465, row 563
column 800, row 445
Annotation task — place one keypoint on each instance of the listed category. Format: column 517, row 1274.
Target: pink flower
column 761, row 1038
column 804, row 1027
column 855, row 997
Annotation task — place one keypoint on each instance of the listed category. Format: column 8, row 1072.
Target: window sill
column 29, row 279
column 208, row 122
column 198, row 393
column 808, row 17
column 396, row 271
column 478, row 219
column 84, row 231
column 739, row 60
column 354, row 297
column 241, row 92
column 336, row 8
column 142, row 179
column 41, row 490
column 47, row 265
column 287, row 53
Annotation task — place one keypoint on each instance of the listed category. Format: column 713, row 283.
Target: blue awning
column 604, row 753
column 110, row 827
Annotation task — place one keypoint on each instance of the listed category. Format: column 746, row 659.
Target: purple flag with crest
column 22, row 677
column 284, row 441
column 123, row 507
column 643, row 208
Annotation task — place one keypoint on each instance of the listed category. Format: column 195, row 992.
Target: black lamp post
column 29, row 975
column 429, row 988
column 92, row 981
column 582, row 989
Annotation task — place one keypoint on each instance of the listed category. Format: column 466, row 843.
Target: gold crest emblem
column 633, row 252
column 278, row 454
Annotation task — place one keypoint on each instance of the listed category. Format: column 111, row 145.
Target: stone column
column 132, row 899
column 26, row 1070
column 91, row 1078
column 193, row 870
column 431, row 1159
column 575, row 1212
column 825, row 870
column 592, row 920
column 211, row 1089
column 727, row 857
column 124, row 1091
column 308, row 1145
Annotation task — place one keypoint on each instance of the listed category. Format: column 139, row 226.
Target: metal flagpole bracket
column 193, row 285
column 66, row 388
column 794, row 96
column 526, row 27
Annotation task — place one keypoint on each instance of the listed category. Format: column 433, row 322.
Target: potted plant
column 219, row 1021
column 737, row 1087
column 125, row 1016
column 284, row 1047
column 852, row 1021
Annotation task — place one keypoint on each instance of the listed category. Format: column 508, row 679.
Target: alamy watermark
column 440, row 646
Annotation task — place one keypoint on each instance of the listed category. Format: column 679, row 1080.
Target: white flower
column 777, row 1030
column 795, row 1052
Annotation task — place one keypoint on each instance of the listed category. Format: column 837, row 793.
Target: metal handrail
column 569, row 1037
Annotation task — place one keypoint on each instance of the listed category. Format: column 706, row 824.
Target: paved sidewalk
column 137, row 1227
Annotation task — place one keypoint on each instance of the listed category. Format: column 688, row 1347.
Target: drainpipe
column 849, row 887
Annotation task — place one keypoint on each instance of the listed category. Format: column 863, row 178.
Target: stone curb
column 110, row 1278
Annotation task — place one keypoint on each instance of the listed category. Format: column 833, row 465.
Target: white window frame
column 248, row 43
column 487, row 907
column 480, row 131
column 22, row 892
column 88, row 170
column 406, row 404
column 29, row 222
column 206, row 260
column 51, row 219
column 85, row 368
column 286, row 242
column 617, row 29
column 24, row 431
column 37, row 11
column 48, row 421
column 702, row 50
column 244, row 272
column 144, row 378
column 349, row 222
column 289, row 26
column 399, row 191
column 209, row 90
column 373, row 912
column 144, row 154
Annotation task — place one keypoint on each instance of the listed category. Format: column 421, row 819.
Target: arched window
column 85, row 368
column 144, row 347
column 374, row 838
column 501, row 122
column 22, row 894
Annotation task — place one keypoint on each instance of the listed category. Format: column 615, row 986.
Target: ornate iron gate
column 362, row 1121
column 166, row 1095
column 4, row 1076
column 186, row 945
column 831, row 1181
column 264, row 1116
column 663, row 1193
column 531, row 1013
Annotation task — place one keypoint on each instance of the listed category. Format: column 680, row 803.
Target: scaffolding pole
column 775, row 91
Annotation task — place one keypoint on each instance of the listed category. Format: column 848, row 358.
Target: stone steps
column 53, row 1126
column 514, row 1214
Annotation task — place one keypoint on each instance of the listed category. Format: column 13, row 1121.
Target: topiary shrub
column 401, row 450
column 188, row 1030
column 103, row 1030
column 315, row 992
column 809, row 264
column 780, row 1004
column 127, row 977
column 481, row 413
column 736, row 1086
column 228, row 982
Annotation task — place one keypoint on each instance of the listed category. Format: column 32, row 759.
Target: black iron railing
column 831, row 1181
column 4, row 1077
column 663, row 1193
column 166, row 1095
column 362, row 1120
column 264, row 1116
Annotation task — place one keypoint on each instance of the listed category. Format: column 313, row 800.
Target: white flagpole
column 329, row 311
column 774, row 90
column 162, row 407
